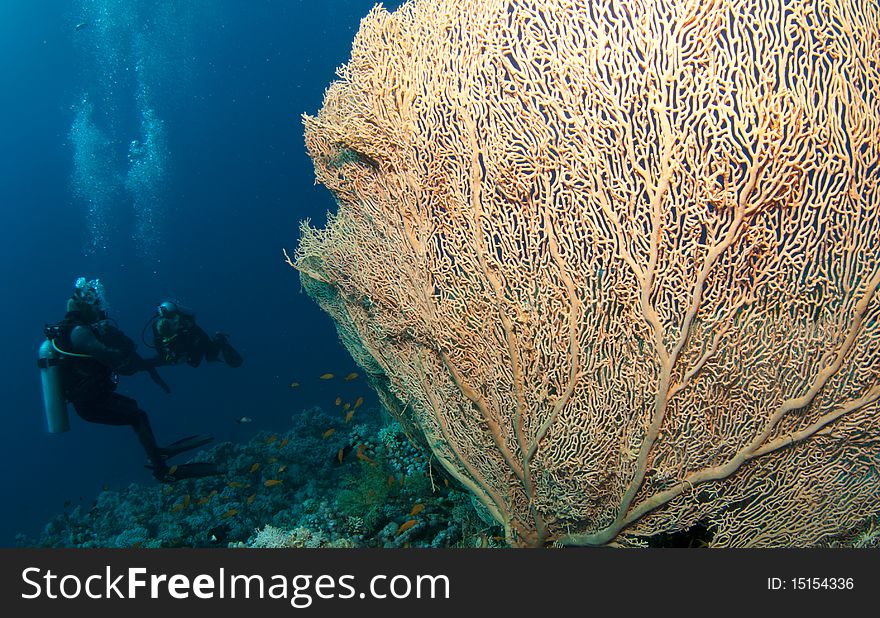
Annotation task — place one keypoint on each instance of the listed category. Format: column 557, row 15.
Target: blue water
column 198, row 208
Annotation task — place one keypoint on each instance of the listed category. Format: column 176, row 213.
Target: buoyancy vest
column 83, row 376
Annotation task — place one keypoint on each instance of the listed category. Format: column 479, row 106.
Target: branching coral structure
column 616, row 263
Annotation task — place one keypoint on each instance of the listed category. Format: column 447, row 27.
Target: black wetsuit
column 90, row 380
column 178, row 339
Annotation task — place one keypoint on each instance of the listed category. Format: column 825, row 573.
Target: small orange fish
column 446, row 482
column 213, row 493
column 229, row 513
column 272, row 482
column 186, row 501
column 271, row 438
column 351, row 376
column 282, row 468
column 271, row 460
column 349, row 415
column 172, row 470
column 407, row 525
column 329, row 433
column 338, row 400
column 362, row 456
column 416, row 509
column 234, row 484
column 326, row 376
column 204, row 500
column 177, row 508
column 283, row 443
column 346, row 406
column 340, row 455
column 358, row 402
column 255, row 467
column 294, row 385
column 391, row 480
column 251, row 498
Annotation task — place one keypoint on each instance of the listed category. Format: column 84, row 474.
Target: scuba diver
column 177, row 338
column 80, row 362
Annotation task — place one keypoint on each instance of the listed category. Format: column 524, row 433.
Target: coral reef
column 357, row 487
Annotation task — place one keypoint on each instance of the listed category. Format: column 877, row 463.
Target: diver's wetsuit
column 90, row 383
column 198, row 345
column 178, row 338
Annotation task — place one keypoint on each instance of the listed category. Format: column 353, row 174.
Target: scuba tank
column 54, row 404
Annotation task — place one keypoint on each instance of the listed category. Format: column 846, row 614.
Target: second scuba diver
column 177, row 339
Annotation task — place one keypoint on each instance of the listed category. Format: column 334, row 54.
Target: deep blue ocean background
column 198, row 209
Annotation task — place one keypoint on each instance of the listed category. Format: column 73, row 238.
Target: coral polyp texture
column 617, row 262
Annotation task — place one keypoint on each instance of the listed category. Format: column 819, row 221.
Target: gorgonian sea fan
column 617, row 262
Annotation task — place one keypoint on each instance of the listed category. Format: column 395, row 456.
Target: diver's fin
column 192, row 470
column 230, row 355
column 183, row 445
